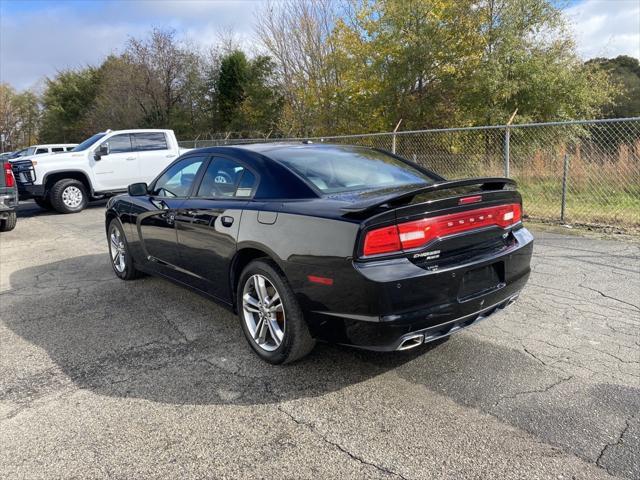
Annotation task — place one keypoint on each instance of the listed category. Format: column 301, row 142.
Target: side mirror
column 102, row 151
column 138, row 189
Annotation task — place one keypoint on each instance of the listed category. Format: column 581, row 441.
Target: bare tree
column 297, row 34
column 165, row 67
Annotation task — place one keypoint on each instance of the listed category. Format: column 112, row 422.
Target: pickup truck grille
column 24, row 172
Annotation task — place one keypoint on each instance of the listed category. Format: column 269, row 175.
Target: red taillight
column 410, row 235
column 9, row 179
column 382, row 240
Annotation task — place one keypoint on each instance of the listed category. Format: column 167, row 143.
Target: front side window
column 119, row 143
column 178, row 179
column 226, row 178
column 345, row 169
column 40, row 151
column 150, row 141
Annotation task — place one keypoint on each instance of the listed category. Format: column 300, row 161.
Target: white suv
column 102, row 165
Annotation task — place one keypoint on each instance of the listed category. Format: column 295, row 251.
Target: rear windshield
column 346, row 169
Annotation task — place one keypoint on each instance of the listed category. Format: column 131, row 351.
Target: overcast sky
column 39, row 37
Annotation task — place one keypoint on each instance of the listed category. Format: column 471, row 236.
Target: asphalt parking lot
column 103, row 378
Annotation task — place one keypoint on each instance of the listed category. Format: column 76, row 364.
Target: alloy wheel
column 263, row 312
column 72, row 196
column 118, row 250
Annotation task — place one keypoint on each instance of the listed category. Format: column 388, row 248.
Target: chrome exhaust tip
column 411, row 342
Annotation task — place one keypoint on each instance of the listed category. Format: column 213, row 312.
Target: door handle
column 227, row 221
column 170, row 156
column 130, row 158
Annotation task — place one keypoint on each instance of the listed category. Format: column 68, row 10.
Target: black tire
column 44, row 202
column 129, row 271
column 9, row 223
column 57, row 195
column 297, row 341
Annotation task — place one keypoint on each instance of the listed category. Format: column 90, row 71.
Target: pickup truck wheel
column 44, row 203
column 8, row 223
column 69, row 196
column 270, row 315
column 121, row 259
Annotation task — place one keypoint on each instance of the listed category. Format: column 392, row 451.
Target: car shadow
column 155, row 340
column 29, row 208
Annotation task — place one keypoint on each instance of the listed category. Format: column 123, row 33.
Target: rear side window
column 57, row 149
column 40, row 151
column 226, row 178
column 246, row 185
column 150, row 141
column 345, row 169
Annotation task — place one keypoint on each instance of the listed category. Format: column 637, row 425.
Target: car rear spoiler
column 488, row 183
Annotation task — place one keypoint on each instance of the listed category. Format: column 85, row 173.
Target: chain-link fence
column 583, row 172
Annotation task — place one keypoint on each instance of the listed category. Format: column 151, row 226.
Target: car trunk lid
column 440, row 225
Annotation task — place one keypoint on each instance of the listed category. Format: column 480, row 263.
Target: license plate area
column 480, row 281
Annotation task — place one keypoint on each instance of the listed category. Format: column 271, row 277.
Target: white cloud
column 38, row 42
column 606, row 28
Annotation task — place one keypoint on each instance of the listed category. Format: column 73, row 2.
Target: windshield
column 88, row 142
column 346, row 169
column 28, row 151
column 19, row 153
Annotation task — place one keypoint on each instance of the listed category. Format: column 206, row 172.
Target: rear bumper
column 8, row 199
column 415, row 302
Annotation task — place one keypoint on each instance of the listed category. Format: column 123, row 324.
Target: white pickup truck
column 101, row 166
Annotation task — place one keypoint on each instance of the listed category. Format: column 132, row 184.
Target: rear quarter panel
column 304, row 245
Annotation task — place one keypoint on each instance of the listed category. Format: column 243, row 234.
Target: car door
column 119, row 168
column 156, row 224
column 208, row 223
column 153, row 154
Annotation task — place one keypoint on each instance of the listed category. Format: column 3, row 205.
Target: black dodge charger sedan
column 326, row 242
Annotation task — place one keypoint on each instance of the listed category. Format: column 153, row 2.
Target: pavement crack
column 610, row 297
column 529, row 392
column 336, row 445
column 534, row 356
column 174, row 327
column 619, row 441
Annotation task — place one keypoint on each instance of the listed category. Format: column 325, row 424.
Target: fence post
column 507, row 144
column 565, row 179
column 393, row 140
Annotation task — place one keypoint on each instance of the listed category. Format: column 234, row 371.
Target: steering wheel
column 222, row 177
